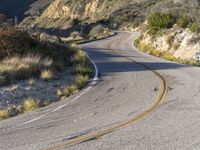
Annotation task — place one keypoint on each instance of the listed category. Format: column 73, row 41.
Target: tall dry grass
column 23, row 67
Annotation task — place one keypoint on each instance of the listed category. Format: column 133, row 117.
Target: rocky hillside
column 116, row 12
column 69, row 15
column 181, row 43
column 63, row 14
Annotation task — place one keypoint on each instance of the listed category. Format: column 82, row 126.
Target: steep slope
column 21, row 8
column 65, row 14
column 62, row 13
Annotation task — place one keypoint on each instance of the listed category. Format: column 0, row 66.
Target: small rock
column 155, row 89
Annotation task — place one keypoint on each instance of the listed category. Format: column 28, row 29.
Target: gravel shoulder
column 45, row 91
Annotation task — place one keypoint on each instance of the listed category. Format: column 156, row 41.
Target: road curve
column 127, row 88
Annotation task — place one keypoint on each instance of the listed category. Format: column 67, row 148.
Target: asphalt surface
column 125, row 90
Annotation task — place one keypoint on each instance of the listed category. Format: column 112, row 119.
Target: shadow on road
column 109, row 62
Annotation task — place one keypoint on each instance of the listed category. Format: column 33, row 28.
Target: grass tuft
column 31, row 81
column 82, row 70
column 3, row 114
column 81, row 81
column 67, row 91
column 73, row 89
column 17, row 67
column 46, row 75
column 30, row 104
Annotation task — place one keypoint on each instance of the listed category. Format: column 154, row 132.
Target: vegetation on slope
column 24, row 57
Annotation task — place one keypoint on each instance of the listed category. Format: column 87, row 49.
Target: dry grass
column 73, row 89
column 31, row 81
column 83, row 70
column 59, row 93
column 12, row 88
column 67, row 91
column 33, row 66
column 46, row 75
column 166, row 55
column 2, row 80
column 23, row 67
column 80, row 58
column 152, row 51
column 30, row 104
column 3, row 114
column 81, row 81
column 8, row 112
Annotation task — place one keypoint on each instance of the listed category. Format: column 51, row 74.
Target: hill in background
column 22, row 8
column 65, row 16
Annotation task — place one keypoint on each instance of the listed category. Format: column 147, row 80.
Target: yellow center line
column 96, row 134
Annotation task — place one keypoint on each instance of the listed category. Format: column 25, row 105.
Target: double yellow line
column 96, row 134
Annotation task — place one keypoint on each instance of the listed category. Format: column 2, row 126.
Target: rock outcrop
column 182, row 43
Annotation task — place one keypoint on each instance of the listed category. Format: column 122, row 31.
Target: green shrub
column 195, row 27
column 183, row 21
column 157, row 21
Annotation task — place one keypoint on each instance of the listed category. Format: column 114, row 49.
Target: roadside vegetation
column 147, row 48
column 23, row 57
column 26, row 58
column 159, row 24
column 159, row 21
column 82, row 71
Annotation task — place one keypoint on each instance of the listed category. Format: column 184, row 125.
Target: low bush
column 183, row 21
column 195, row 27
column 22, row 57
column 157, row 21
column 14, row 41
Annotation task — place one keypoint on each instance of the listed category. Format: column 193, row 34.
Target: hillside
column 21, row 8
column 63, row 17
column 117, row 14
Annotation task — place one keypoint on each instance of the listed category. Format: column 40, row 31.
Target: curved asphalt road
column 125, row 90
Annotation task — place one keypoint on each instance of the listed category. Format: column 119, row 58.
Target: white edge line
column 91, row 85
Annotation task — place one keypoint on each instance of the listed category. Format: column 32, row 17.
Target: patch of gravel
column 42, row 90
